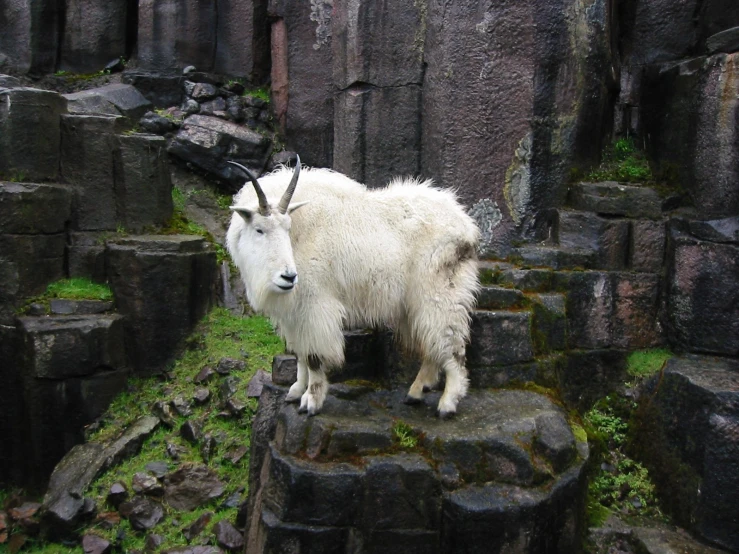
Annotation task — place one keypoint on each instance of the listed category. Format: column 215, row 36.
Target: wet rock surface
column 506, row 456
column 689, row 428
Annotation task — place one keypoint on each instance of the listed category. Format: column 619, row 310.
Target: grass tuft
column 79, row 288
column 404, row 434
column 623, row 161
column 644, row 363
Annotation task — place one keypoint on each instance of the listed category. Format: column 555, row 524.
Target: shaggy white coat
column 401, row 256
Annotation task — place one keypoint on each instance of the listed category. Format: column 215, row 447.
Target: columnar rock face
column 163, row 285
column 29, row 142
column 30, row 38
column 302, row 59
column 32, row 223
column 703, row 295
column 700, row 148
column 377, row 128
column 689, row 436
column 505, row 476
column 94, row 34
column 226, row 36
column 71, row 367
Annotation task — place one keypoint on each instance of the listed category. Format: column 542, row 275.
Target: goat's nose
column 289, row 276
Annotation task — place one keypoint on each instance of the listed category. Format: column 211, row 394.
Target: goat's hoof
column 445, row 415
column 412, row 401
column 427, row 388
column 302, row 409
column 313, row 413
column 290, row 400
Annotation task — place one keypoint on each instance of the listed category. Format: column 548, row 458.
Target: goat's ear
column 243, row 212
column 297, row 205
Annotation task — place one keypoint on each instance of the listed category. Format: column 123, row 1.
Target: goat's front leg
column 301, row 385
column 313, row 398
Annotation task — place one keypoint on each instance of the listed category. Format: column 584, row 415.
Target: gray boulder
column 207, row 142
column 115, row 99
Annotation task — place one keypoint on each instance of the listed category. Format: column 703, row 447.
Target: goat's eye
column 260, row 231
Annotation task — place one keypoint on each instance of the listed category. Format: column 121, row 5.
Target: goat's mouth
column 286, row 288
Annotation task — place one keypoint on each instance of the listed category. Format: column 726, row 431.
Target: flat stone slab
column 725, row 41
column 508, row 459
column 615, row 198
column 160, row 243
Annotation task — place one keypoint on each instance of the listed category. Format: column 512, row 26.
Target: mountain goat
column 334, row 254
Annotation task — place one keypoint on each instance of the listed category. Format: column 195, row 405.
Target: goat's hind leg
column 313, row 398
column 301, row 385
column 427, row 378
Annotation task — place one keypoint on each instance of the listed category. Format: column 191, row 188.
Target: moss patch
column 644, row 363
column 623, row 161
column 78, row 289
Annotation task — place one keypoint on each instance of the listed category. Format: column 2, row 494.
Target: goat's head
column 264, row 242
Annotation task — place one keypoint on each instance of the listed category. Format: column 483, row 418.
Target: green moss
column 490, row 276
column 579, row 431
column 623, row 161
column 78, row 288
column 167, row 115
column 618, row 482
column 405, row 436
column 262, row 93
column 643, row 363
column 179, row 224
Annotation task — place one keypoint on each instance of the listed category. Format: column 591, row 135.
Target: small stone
column 227, row 536
column 234, row 455
column 36, row 309
column 25, row 511
column 192, row 486
column 108, row 520
column 153, row 542
column 203, row 91
column 201, row 396
column 191, row 431
column 228, row 388
column 142, row 513
column 164, row 412
column 205, row 374
column 284, row 369
column 158, row 469
column 235, row 407
column 117, row 494
column 256, row 384
column 190, row 107
column 233, row 501
column 146, row 484
column 197, row 526
column 235, row 87
column 182, row 406
column 93, row 544
column 174, row 451
column 227, row 365
column 208, row 447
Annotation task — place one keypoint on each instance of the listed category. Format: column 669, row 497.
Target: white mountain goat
column 333, row 254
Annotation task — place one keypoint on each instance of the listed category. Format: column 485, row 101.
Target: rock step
column 506, row 453
column 619, row 199
column 556, row 257
column 689, row 418
column 71, row 368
